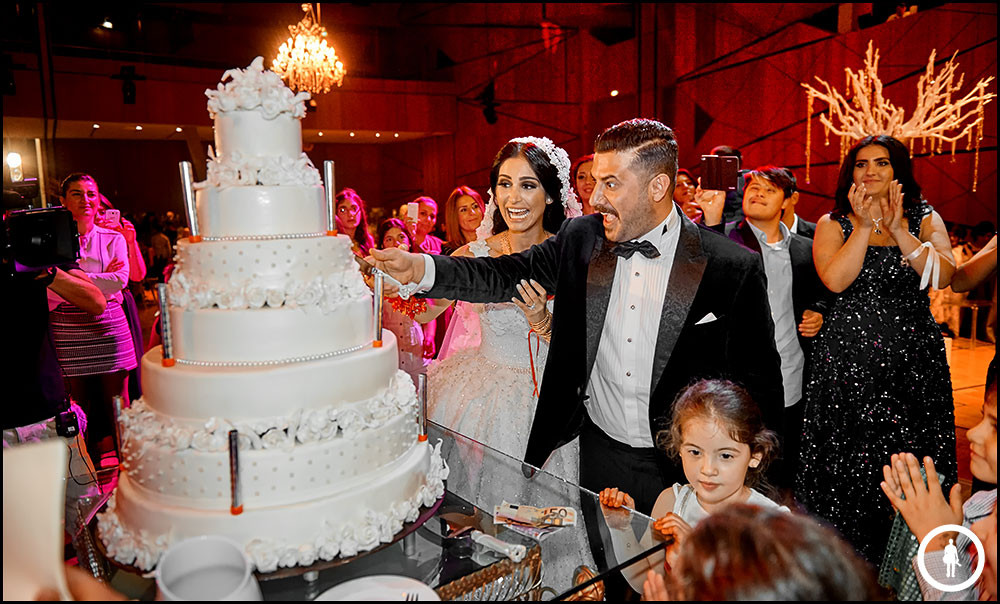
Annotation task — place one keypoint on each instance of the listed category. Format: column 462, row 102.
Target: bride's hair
column 546, row 173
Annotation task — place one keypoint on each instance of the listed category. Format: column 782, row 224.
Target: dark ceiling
column 377, row 40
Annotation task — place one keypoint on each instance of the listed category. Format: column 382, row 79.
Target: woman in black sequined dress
column 880, row 382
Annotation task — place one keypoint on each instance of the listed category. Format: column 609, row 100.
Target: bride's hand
column 534, row 298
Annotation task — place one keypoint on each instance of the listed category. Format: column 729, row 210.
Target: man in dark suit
column 645, row 303
column 796, row 295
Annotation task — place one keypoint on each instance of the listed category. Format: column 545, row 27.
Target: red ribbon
column 531, row 357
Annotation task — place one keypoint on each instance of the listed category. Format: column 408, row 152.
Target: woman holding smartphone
column 95, row 352
column 881, row 382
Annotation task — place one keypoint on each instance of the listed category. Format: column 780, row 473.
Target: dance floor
column 968, row 379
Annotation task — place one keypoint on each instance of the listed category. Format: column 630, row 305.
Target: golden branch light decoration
column 937, row 119
column 305, row 61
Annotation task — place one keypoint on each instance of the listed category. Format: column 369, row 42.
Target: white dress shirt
column 621, row 381
column 778, row 268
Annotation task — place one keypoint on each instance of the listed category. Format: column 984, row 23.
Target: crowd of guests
column 844, row 410
column 860, row 358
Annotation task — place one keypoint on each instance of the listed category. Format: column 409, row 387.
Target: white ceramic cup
column 209, row 567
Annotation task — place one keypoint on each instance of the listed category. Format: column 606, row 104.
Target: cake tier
column 269, row 334
column 277, row 272
column 250, row 134
column 245, row 393
column 253, row 211
column 356, row 515
column 282, row 475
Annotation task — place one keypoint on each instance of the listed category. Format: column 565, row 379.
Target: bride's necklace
column 505, row 247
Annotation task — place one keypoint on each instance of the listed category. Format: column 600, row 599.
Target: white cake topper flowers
column 558, row 157
column 255, row 88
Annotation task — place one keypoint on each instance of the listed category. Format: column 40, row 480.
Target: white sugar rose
column 348, row 542
column 309, row 295
column 263, row 556
column 271, row 105
column 223, row 173
column 328, row 548
column 368, row 536
column 274, row 439
column 237, row 301
column 247, row 98
column 306, row 555
column 379, row 412
column 205, row 441
column 287, row 557
column 255, row 295
column 272, row 174
column 203, row 297
column 275, row 297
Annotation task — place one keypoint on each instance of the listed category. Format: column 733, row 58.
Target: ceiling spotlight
column 378, row 134
column 614, row 93
column 352, row 135
column 396, row 135
column 321, row 133
column 107, row 24
column 138, row 127
column 96, row 126
column 178, row 129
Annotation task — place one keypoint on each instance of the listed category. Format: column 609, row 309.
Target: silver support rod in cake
column 118, row 406
column 165, row 334
column 330, row 188
column 236, row 495
column 379, row 300
column 422, row 407
column 187, row 188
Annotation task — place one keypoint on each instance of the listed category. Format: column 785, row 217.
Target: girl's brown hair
column 731, row 406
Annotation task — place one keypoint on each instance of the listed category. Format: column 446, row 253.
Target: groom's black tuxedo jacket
column 710, row 275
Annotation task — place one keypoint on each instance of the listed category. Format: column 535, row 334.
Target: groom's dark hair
column 654, row 144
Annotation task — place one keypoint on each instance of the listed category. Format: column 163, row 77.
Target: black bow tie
column 625, row 250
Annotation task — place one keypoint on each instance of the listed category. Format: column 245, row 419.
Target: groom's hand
column 402, row 266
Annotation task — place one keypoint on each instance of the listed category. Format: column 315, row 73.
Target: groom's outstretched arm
column 475, row 279
column 495, row 279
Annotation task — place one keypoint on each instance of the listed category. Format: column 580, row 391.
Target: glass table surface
column 442, row 555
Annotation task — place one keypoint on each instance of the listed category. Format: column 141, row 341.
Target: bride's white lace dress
column 484, row 389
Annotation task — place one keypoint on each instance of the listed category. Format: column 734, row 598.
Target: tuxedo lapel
column 600, row 278
column 685, row 277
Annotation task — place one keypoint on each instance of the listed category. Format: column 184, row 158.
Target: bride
column 485, row 385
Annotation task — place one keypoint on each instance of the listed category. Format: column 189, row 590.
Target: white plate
column 385, row 588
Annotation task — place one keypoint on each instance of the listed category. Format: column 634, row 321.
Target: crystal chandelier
column 305, row 61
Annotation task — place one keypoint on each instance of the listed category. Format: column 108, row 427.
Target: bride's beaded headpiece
column 558, row 157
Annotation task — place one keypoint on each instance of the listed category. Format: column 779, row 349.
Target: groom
column 645, row 303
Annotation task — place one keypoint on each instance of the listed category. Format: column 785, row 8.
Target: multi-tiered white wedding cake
column 272, row 330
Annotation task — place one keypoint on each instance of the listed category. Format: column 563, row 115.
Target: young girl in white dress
column 717, row 432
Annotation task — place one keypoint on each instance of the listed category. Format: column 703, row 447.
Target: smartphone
column 112, row 216
column 719, row 172
column 412, row 211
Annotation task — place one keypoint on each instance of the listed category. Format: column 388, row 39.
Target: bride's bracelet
column 543, row 327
